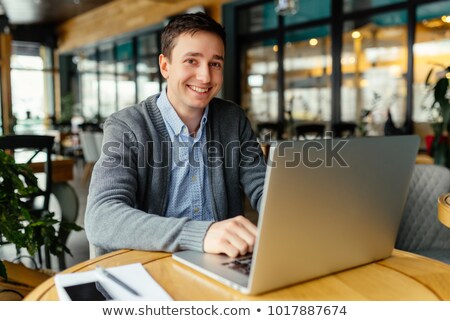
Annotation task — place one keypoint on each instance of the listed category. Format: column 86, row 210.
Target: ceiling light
column 313, row 42
column 356, row 34
column 275, row 48
column 446, row 19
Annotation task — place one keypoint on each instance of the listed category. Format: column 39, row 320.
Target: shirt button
column 196, row 210
column 194, row 178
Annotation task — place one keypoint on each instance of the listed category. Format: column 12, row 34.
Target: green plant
column 440, row 116
column 67, row 107
column 17, row 224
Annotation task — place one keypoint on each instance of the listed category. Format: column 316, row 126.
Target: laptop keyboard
column 241, row 264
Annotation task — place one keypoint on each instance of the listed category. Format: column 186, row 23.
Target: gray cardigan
column 129, row 186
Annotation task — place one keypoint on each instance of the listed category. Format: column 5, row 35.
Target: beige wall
column 122, row 16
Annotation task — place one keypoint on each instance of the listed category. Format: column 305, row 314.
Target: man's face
column 194, row 72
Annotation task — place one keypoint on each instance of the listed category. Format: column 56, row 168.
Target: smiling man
column 173, row 167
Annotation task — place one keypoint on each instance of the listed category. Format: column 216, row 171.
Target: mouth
column 199, row 90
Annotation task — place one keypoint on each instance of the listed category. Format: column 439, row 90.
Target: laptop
column 327, row 205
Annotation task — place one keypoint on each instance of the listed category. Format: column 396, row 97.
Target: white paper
column 133, row 275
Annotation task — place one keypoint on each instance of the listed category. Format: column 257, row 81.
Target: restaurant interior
column 300, row 69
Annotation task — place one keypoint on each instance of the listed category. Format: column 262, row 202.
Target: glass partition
column 147, row 45
column 87, row 69
column 148, row 77
column 307, row 65
column 431, row 56
column 89, row 95
column 126, row 84
column 107, row 81
column 117, row 74
column 257, row 18
column 309, row 10
column 260, row 92
column 31, row 87
column 355, row 5
column 374, row 66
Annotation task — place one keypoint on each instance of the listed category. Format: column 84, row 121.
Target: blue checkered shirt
column 189, row 194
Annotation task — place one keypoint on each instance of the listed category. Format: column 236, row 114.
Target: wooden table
column 62, row 168
column 403, row 276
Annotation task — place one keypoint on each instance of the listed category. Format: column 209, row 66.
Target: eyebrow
column 199, row 54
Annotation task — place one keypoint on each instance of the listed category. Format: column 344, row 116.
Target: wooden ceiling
column 26, row 12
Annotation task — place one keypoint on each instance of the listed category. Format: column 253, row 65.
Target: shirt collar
column 174, row 124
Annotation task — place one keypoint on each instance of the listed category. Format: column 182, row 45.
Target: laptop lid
column 328, row 205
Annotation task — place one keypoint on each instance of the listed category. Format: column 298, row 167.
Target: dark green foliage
column 18, row 225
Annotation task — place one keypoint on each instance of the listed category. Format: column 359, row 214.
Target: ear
column 164, row 65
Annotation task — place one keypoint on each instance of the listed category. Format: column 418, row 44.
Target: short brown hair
column 188, row 23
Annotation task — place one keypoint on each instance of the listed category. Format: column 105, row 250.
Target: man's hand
column 235, row 236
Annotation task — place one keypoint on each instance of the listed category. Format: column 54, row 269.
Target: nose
column 204, row 73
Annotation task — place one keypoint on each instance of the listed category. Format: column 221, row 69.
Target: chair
column 305, row 131
column 344, row 129
column 90, row 153
column 267, row 131
column 69, row 203
column 98, row 137
column 25, row 148
column 420, row 230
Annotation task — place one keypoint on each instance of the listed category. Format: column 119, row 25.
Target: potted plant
column 440, row 116
column 17, row 225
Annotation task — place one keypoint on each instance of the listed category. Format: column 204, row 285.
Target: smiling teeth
column 199, row 90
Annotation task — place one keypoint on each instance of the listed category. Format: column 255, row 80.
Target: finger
column 244, row 235
column 217, row 240
column 238, row 243
column 247, row 231
column 248, row 225
column 228, row 249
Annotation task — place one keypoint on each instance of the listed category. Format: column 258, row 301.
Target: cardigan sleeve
column 113, row 219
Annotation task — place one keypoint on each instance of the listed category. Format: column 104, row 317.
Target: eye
column 217, row 65
column 190, row 61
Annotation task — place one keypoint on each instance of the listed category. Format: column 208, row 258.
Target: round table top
column 403, row 276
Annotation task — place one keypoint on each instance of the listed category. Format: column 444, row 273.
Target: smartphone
column 92, row 291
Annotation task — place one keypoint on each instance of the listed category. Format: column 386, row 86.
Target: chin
column 201, row 104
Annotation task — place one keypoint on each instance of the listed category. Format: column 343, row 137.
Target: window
column 148, row 76
column 126, row 84
column 117, row 74
column 374, row 65
column 148, row 79
column 257, row 18
column 431, row 54
column 355, row 5
column 107, row 81
column 260, row 89
column 309, row 10
column 87, row 68
column 307, row 66
column 31, row 87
